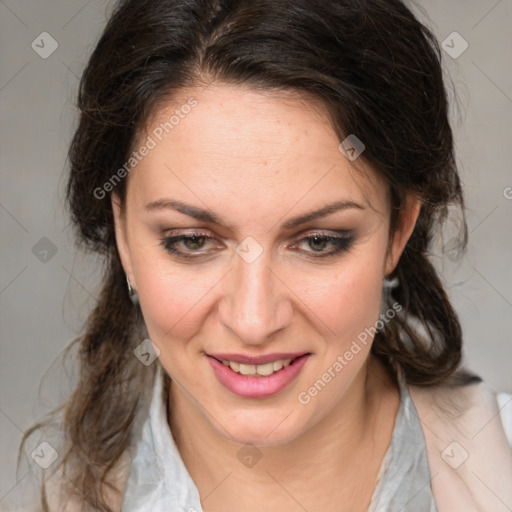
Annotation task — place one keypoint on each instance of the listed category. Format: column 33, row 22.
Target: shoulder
column 468, row 409
column 58, row 485
column 59, row 488
column 467, row 436
column 471, row 407
column 505, row 405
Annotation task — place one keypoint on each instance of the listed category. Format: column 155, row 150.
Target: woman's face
column 265, row 278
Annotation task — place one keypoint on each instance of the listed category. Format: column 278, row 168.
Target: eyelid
column 346, row 233
column 342, row 241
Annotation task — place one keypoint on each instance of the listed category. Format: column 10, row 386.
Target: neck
column 351, row 435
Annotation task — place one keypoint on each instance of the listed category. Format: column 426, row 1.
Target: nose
column 256, row 302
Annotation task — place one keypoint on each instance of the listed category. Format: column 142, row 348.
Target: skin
column 258, row 159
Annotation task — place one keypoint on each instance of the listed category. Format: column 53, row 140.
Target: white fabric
column 505, row 405
column 160, row 482
column 404, row 478
column 468, row 451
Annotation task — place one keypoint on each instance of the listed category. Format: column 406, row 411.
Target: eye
column 318, row 242
column 192, row 242
column 191, row 245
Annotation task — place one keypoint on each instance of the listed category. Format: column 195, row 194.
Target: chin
column 261, row 430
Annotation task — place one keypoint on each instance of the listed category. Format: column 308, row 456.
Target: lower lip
column 257, row 387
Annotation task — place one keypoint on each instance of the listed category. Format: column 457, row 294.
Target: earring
column 391, row 283
column 131, row 292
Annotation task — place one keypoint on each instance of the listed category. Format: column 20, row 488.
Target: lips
column 256, row 360
column 256, row 386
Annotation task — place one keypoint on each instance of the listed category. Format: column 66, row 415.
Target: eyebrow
column 208, row 216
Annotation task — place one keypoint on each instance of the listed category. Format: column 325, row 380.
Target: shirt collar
column 158, row 479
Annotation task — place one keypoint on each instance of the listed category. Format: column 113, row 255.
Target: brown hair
column 375, row 68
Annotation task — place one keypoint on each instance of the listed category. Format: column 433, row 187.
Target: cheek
column 349, row 300
column 171, row 298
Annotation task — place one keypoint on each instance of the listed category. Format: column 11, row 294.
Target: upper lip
column 266, row 358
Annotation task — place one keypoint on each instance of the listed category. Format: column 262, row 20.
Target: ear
column 409, row 216
column 121, row 237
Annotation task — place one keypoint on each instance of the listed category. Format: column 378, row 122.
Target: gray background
column 44, row 298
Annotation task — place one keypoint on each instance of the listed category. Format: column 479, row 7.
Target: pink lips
column 257, row 387
column 267, row 358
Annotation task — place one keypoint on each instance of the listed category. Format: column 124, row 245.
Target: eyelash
column 341, row 243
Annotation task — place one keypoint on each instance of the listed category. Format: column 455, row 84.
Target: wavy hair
column 377, row 70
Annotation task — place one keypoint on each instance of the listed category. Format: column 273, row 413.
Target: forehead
column 227, row 141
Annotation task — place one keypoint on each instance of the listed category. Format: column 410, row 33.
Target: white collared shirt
column 160, row 482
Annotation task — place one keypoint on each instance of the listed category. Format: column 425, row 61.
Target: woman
column 265, row 180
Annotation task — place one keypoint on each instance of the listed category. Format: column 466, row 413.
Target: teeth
column 247, row 369
column 265, row 369
column 258, row 369
column 277, row 365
